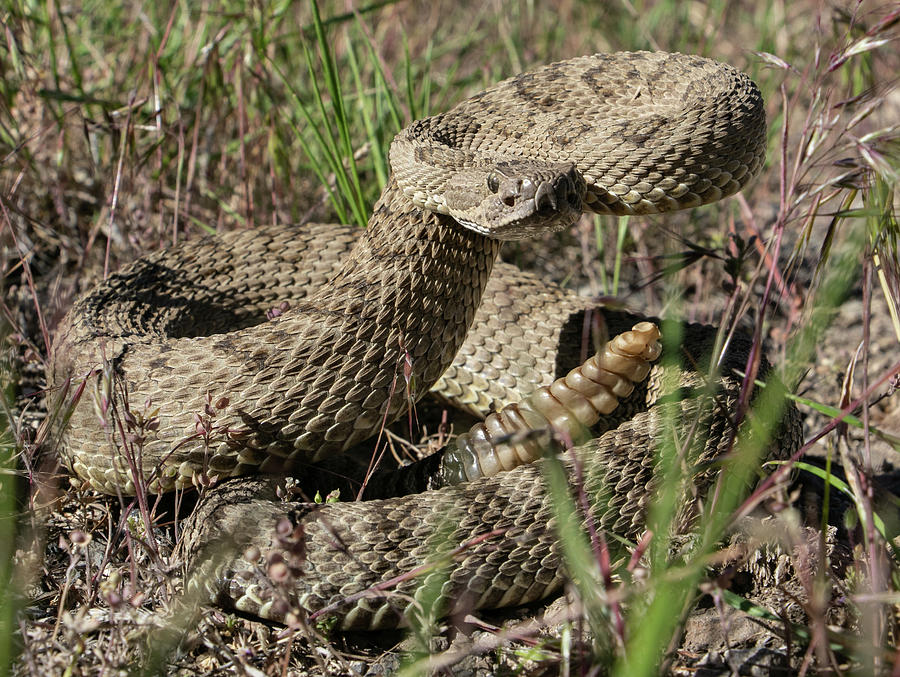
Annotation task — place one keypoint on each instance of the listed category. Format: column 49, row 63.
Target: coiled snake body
column 185, row 382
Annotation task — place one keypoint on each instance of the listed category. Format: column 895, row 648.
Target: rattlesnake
column 170, row 376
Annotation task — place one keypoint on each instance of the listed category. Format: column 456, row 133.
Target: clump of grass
column 9, row 603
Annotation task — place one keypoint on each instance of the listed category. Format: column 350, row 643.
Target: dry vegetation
column 126, row 127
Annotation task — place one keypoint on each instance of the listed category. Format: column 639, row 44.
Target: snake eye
column 493, row 183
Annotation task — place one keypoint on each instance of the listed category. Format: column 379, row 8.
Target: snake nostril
column 509, row 200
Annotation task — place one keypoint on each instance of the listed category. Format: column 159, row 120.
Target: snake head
column 516, row 199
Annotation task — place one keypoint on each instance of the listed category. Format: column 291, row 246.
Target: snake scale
column 269, row 350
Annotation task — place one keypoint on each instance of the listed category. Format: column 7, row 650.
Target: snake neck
column 407, row 296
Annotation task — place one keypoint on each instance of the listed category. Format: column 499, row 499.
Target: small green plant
column 9, row 536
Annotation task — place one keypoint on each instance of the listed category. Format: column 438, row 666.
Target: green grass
column 9, row 603
column 125, row 127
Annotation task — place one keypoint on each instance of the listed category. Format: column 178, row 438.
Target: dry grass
column 124, row 128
